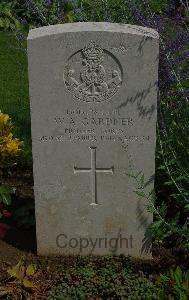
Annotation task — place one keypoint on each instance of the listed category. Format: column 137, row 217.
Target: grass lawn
column 14, row 93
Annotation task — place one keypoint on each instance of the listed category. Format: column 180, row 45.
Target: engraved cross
column 93, row 170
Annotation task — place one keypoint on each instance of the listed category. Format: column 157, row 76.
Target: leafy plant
column 5, row 200
column 170, row 207
column 7, row 19
column 36, row 13
column 162, row 228
column 25, row 215
column 5, row 195
column 22, row 273
column 9, row 146
column 9, row 149
column 174, row 285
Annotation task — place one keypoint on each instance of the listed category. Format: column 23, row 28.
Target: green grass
column 14, row 94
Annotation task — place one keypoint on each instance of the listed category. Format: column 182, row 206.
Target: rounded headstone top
column 92, row 26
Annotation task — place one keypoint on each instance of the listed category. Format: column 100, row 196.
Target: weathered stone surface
column 93, row 91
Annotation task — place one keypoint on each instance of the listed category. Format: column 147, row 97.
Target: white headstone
column 93, row 91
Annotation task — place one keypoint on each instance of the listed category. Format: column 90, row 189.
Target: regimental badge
column 93, row 74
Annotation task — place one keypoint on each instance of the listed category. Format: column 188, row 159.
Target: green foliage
column 35, row 13
column 172, row 172
column 25, row 215
column 174, row 285
column 158, row 7
column 7, row 18
column 40, row 13
column 5, row 200
column 44, row 13
column 114, row 11
column 5, row 194
column 163, row 228
column 99, row 11
column 103, row 280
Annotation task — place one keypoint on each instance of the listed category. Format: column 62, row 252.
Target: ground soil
column 43, row 280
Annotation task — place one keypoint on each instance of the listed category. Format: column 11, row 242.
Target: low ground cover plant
column 119, row 278
column 103, row 278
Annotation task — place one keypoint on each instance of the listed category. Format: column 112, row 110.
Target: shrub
column 7, row 18
column 35, row 13
column 9, row 146
column 171, row 207
column 174, row 285
column 9, row 149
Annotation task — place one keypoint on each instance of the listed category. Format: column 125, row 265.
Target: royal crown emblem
column 92, row 51
column 93, row 74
